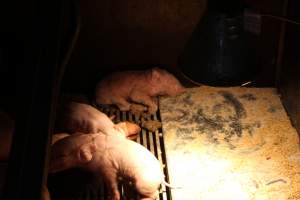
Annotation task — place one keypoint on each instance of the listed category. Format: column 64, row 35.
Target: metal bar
column 164, row 159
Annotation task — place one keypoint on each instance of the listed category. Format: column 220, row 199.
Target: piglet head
column 165, row 83
column 72, row 151
column 131, row 130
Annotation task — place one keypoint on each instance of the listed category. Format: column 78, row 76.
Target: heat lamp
column 221, row 51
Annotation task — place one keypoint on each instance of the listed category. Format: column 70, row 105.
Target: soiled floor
column 230, row 144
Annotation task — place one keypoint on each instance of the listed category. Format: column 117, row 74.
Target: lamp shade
column 220, row 51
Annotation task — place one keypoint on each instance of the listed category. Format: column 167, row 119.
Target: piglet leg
column 111, row 180
column 123, row 105
column 153, row 197
column 145, row 100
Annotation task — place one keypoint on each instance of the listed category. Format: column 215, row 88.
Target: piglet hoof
column 151, row 110
column 147, row 115
column 124, row 106
column 137, row 109
column 147, row 198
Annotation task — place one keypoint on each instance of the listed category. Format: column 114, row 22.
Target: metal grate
column 74, row 184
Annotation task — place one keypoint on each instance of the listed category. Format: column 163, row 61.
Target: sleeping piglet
column 140, row 87
column 80, row 117
column 110, row 157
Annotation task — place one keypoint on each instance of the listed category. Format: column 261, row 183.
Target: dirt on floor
column 232, row 143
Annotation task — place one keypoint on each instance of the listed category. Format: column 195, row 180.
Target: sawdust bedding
column 230, row 143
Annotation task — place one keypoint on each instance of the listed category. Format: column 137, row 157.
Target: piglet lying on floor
column 110, row 157
column 80, row 117
column 140, row 87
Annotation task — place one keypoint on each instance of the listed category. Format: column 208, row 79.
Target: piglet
column 110, row 157
column 45, row 195
column 142, row 87
column 80, row 117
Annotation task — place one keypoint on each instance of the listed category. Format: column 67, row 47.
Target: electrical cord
column 281, row 19
column 189, row 79
column 245, row 84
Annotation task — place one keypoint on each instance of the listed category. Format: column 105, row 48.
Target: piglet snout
column 130, row 129
column 181, row 90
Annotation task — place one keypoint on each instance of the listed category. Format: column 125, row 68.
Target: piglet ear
column 85, row 154
column 132, row 128
column 58, row 136
column 156, row 73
